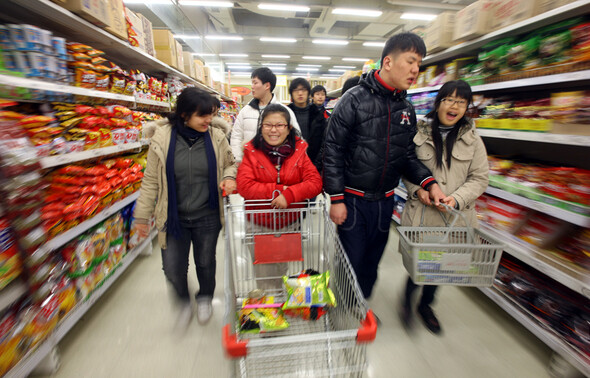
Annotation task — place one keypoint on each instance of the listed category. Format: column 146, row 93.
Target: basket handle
column 456, row 214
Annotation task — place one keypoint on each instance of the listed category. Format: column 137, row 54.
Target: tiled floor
column 130, row 333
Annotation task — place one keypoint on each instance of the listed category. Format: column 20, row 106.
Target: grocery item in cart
column 265, row 318
column 308, row 289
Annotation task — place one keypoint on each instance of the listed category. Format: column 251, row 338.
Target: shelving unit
column 44, row 13
column 529, row 136
column 568, row 274
column 403, row 193
column 57, row 160
column 35, row 356
column 11, row 293
column 545, row 334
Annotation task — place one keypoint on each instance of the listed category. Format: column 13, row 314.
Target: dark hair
column 463, row 91
column 299, row 82
column 403, row 42
column 318, row 88
column 216, row 102
column 349, row 83
column 190, row 101
column 272, row 109
column 265, row 75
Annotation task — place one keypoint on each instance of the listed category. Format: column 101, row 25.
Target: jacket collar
column 425, row 132
column 375, row 83
column 255, row 103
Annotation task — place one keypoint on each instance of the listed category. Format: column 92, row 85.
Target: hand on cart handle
column 279, row 203
column 450, row 202
column 436, row 194
column 423, row 196
column 228, row 186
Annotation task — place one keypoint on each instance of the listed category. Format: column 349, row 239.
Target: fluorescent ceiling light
column 310, row 65
column 418, row 16
column 271, row 39
column 204, row 54
column 316, row 57
column 203, row 3
column 357, row 12
column 150, row 2
column 283, row 7
column 273, row 68
column 273, row 64
column 238, row 63
column 355, row 59
column 234, row 55
column 225, row 37
column 374, row 44
column 239, row 68
column 277, row 56
column 347, row 67
column 330, row 42
column 186, row 36
column 337, row 70
column 306, row 69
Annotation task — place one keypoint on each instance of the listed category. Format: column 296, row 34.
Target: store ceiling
column 249, row 23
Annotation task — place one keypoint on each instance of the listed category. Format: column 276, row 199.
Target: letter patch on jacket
column 405, row 118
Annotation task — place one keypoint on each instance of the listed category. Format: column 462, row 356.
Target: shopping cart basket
column 335, row 344
column 460, row 256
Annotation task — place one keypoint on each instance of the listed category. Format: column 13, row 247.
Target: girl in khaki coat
column 447, row 144
column 189, row 163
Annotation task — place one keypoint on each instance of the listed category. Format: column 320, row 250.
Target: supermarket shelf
column 403, row 193
column 576, row 8
column 44, row 13
column 552, row 340
column 21, row 82
column 65, row 237
column 162, row 106
column 12, row 292
column 570, row 77
column 57, row 160
column 554, row 211
column 568, row 274
column 396, row 219
column 572, row 140
column 34, row 357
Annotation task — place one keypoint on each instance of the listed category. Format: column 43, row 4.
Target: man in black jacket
column 369, row 145
column 312, row 119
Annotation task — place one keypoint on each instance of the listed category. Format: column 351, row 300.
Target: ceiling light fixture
column 203, row 3
column 310, row 65
column 316, row 57
column 337, row 70
column 374, row 44
column 357, row 12
column 330, row 42
column 283, row 7
column 273, row 64
column 418, row 16
column 272, row 39
column 306, row 69
column 355, row 59
column 224, row 37
column 204, row 54
column 277, row 56
column 347, row 67
column 186, row 36
column 234, row 55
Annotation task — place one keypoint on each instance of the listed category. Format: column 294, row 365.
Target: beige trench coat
column 153, row 197
column 465, row 181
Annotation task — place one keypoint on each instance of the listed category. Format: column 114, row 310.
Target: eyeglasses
column 278, row 126
column 451, row 101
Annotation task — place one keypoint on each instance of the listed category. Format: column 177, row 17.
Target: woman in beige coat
column 189, row 163
column 447, row 144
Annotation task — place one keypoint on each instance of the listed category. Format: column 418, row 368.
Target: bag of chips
column 308, row 289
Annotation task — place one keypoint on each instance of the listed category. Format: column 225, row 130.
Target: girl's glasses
column 451, row 101
column 278, row 126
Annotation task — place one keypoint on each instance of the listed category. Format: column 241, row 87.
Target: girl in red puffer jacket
column 276, row 166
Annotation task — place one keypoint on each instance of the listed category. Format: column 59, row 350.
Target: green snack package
column 254, row 320
column 308, row 290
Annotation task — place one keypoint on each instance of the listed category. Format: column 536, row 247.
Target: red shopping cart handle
column 368, row 329
column 233, row 347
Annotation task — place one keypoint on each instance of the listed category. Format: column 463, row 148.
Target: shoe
column 185, row 315
column 204, row 310
column 405, row 315
column 430, row 320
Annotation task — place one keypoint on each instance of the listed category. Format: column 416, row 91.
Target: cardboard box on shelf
column 189, row 64
column 148, row 35
column 179, row 57
column 94, row 11
column 135, row 30
column 508, row 12
column 199, row 70
column 117, row 24
column 163, row 39
column 167, row 56
column 547, row 5
column 439, row 33
column 474, row 20
column 208, row 80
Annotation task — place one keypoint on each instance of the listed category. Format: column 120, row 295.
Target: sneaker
column 204, row 310
column 185, row 315
column 405, row 315
column 430, row 320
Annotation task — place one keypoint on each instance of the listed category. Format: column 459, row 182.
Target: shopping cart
column 294, row 239
column 460, row 256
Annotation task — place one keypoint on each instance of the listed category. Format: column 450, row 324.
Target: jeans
column 364, row 235
column 427, row 294
column 203, row 234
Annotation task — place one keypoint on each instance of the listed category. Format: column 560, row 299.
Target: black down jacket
column 369, row 143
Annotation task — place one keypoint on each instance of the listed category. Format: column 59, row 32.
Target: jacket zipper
column 387, row 147
column 190, row 170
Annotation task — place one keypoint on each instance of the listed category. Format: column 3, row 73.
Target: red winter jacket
column 257, row 178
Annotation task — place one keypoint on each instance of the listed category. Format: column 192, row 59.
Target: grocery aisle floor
column 130, row 333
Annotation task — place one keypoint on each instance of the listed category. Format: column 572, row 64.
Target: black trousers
column 427, row 293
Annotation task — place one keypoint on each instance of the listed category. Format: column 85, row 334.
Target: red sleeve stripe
column 337, row 197
column 354, row 191
column 427, row 181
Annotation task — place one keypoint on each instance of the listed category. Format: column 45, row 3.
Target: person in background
column 369, row 145
column 218, row 121
column 311, row 118
column 189, row 163
column 246, row 124
column 349, row 83
column 448, row 145
column 318, row 95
